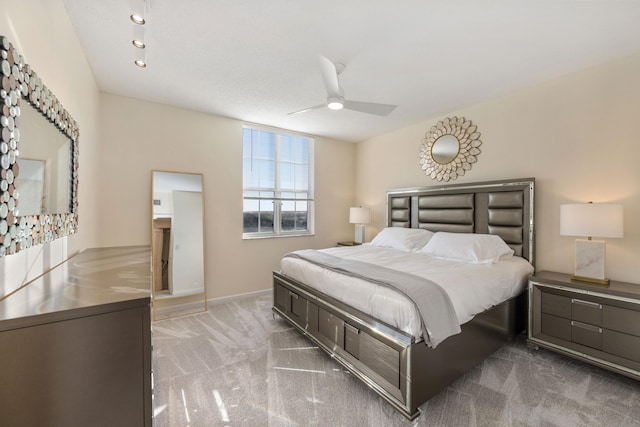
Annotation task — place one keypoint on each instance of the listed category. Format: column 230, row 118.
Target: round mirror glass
column 445, row 149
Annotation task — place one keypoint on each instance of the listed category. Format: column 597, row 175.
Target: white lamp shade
column 591, row 220
column 359, row 215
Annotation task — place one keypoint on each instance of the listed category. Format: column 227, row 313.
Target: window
column 277, row 181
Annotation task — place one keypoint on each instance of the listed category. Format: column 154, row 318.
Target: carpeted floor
column 236, row 365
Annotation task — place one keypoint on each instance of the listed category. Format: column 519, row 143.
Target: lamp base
column 359, row 236
column 604, row 282
column 590, row 261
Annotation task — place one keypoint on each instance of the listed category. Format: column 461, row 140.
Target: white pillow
column 403, row 239
column 471, row 248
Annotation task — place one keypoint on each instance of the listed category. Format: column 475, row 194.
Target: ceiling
column 257, row 60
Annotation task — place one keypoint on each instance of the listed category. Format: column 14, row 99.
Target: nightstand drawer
column 555, row 326
column 586, row 311
column 555, row 304
column 585, row 334
column 622, row 320
column 622, row 345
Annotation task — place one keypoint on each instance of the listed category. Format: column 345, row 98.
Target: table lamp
column 589, row 220
column 359, row 216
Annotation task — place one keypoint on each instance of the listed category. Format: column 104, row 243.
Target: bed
column 403, row 361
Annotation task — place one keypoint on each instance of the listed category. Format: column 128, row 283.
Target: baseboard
column 222, row 300
column 195, row 307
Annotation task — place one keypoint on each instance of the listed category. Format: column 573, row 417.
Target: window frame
column 277, row 190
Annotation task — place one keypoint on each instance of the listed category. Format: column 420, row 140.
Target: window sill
column 251, row 236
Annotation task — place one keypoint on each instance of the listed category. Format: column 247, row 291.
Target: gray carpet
column 237, row 366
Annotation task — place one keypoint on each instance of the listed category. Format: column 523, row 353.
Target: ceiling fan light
column 335, row 103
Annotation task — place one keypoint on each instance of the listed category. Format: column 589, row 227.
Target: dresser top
column 89, row 283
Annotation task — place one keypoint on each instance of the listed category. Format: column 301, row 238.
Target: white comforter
column 472, row 288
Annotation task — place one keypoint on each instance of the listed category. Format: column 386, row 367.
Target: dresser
column 75, row 344
column 594, row 323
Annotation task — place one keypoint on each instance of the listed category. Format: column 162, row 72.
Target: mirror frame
column 21, row 84
column 468, row 149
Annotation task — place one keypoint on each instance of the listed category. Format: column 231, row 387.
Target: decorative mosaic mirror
column 38, row 159
column 449, row 149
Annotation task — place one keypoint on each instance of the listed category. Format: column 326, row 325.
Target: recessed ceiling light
column 139, row 44
column 140, row 63
column 335, row 103
column 137, row 19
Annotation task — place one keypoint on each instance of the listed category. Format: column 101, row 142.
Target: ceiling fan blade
column 304, row 110
column 330, row 76
column 370, row 107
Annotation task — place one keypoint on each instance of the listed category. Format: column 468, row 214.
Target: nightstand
column 348, row 244
column 594, row 323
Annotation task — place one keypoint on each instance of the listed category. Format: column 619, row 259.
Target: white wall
column 42, row 32
column 141, row 136
column 577, row 135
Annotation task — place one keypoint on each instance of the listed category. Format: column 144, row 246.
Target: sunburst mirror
column 449, row 149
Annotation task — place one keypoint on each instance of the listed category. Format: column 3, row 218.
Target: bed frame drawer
column 298, row 306
column 331, row 327
column 280, row 296
column 373, row 353
column 352, row 340
column 380, row 358
column 291, row 303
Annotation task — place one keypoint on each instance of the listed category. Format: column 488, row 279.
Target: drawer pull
column 587, row 303
column 585, row 326
column 294, row 295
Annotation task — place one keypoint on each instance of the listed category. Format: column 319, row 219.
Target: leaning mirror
column 177, row 244
column 38, row 159
column 449, row 149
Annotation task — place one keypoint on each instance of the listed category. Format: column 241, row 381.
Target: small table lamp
column 591, row 219
column 359, row 216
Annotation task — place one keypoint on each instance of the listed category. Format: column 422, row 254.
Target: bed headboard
column 504, row 208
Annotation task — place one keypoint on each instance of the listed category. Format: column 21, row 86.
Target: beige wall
column 577, row 135
column 42, row 32
column 139, row 137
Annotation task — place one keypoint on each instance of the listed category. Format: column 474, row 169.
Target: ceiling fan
column 335, row 94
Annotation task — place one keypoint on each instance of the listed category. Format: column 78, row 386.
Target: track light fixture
column 139, row 10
